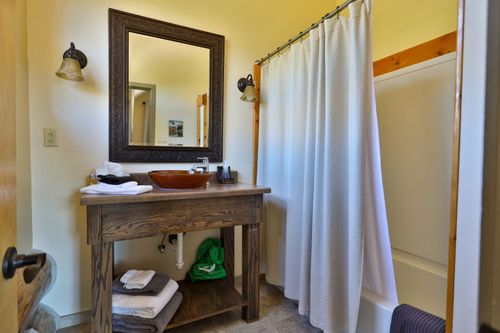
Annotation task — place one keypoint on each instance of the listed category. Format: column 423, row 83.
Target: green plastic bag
column 209, row 261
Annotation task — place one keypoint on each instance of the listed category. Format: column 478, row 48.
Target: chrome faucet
column 204, row 166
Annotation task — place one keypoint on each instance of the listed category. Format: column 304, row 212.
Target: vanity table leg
column 251, row 267
column 227, row 237
column 102, row 267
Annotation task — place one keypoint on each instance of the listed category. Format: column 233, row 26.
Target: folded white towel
column 143, row 306
column 128, row 188
column 136, row 279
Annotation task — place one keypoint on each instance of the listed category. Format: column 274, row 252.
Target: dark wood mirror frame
column 120, row 24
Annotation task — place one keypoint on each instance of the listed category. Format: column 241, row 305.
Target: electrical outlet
column 49, row 137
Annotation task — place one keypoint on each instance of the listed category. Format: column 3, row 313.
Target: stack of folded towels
column 128, row 188
column 114, row 180
column 144, row 301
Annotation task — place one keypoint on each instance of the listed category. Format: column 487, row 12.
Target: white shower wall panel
column 415, row 112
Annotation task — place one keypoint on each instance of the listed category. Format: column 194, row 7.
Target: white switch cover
column 50, row 137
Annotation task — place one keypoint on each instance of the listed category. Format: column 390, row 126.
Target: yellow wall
column 79, row 111
column 401, row 24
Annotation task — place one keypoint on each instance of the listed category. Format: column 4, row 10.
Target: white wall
column 79, row 111
column 471, row 169
column 415, row 107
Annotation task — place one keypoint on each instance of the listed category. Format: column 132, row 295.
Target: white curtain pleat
column 319, row 152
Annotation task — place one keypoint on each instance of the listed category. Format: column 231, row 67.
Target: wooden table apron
column 110, row 222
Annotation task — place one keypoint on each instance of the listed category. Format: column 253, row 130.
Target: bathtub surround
column 324, row 167
column 415, row 113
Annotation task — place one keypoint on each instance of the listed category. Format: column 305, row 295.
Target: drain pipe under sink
column 180, row 250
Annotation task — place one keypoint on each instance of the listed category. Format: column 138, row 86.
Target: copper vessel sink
column 179, row 179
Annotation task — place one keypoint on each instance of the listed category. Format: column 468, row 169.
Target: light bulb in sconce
column 247, row 87
column 73, row 62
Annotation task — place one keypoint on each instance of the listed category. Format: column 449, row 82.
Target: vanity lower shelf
column 205, row 299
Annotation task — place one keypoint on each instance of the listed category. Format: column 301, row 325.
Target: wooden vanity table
column 115, row 218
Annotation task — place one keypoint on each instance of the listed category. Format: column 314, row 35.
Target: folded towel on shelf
column 136, row 279
column 153, row 288
column 131, row 324
column 408, row 319
column 144, row 306
column 128, row 188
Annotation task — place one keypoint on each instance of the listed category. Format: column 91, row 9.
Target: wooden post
column 227, row 238
column 256, row 114
column 102, row 262
column 455, row 169
column 251, row 264
column 102, row 271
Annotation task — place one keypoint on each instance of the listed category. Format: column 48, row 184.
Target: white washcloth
column 110, row 168
column 143, row 306
column 128, row 188
column 136, row 279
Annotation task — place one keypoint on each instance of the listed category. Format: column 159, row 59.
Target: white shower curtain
column 326, row 225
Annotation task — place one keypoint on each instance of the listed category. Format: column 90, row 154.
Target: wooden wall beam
column 256, row 114
column 455, row 169
column 422, row 52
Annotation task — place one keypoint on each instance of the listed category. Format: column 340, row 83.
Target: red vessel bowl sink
column 179, row 179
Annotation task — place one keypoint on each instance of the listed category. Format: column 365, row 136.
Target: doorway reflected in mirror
column 142, row 114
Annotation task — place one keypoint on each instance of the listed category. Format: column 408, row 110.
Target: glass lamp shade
column 70, row 70
column 249, row 95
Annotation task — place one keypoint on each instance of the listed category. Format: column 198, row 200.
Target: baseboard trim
column 74, row 319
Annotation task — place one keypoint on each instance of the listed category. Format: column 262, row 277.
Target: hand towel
column 143, row 306
column 113, row 180
column 130, row 324
column 153, row 288
column 128, row 188
column 136, row 279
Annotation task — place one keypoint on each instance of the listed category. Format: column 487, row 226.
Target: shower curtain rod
column 303, row 33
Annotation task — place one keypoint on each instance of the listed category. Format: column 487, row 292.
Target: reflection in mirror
column 172, row 108
column 142, row 113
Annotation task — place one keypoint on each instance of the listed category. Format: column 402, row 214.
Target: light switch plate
column 50, row 137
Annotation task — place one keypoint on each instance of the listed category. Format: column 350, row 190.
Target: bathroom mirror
column 166, row 91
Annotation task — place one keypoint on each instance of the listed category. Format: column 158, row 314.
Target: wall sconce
column 73, row 62
column 247, row 87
